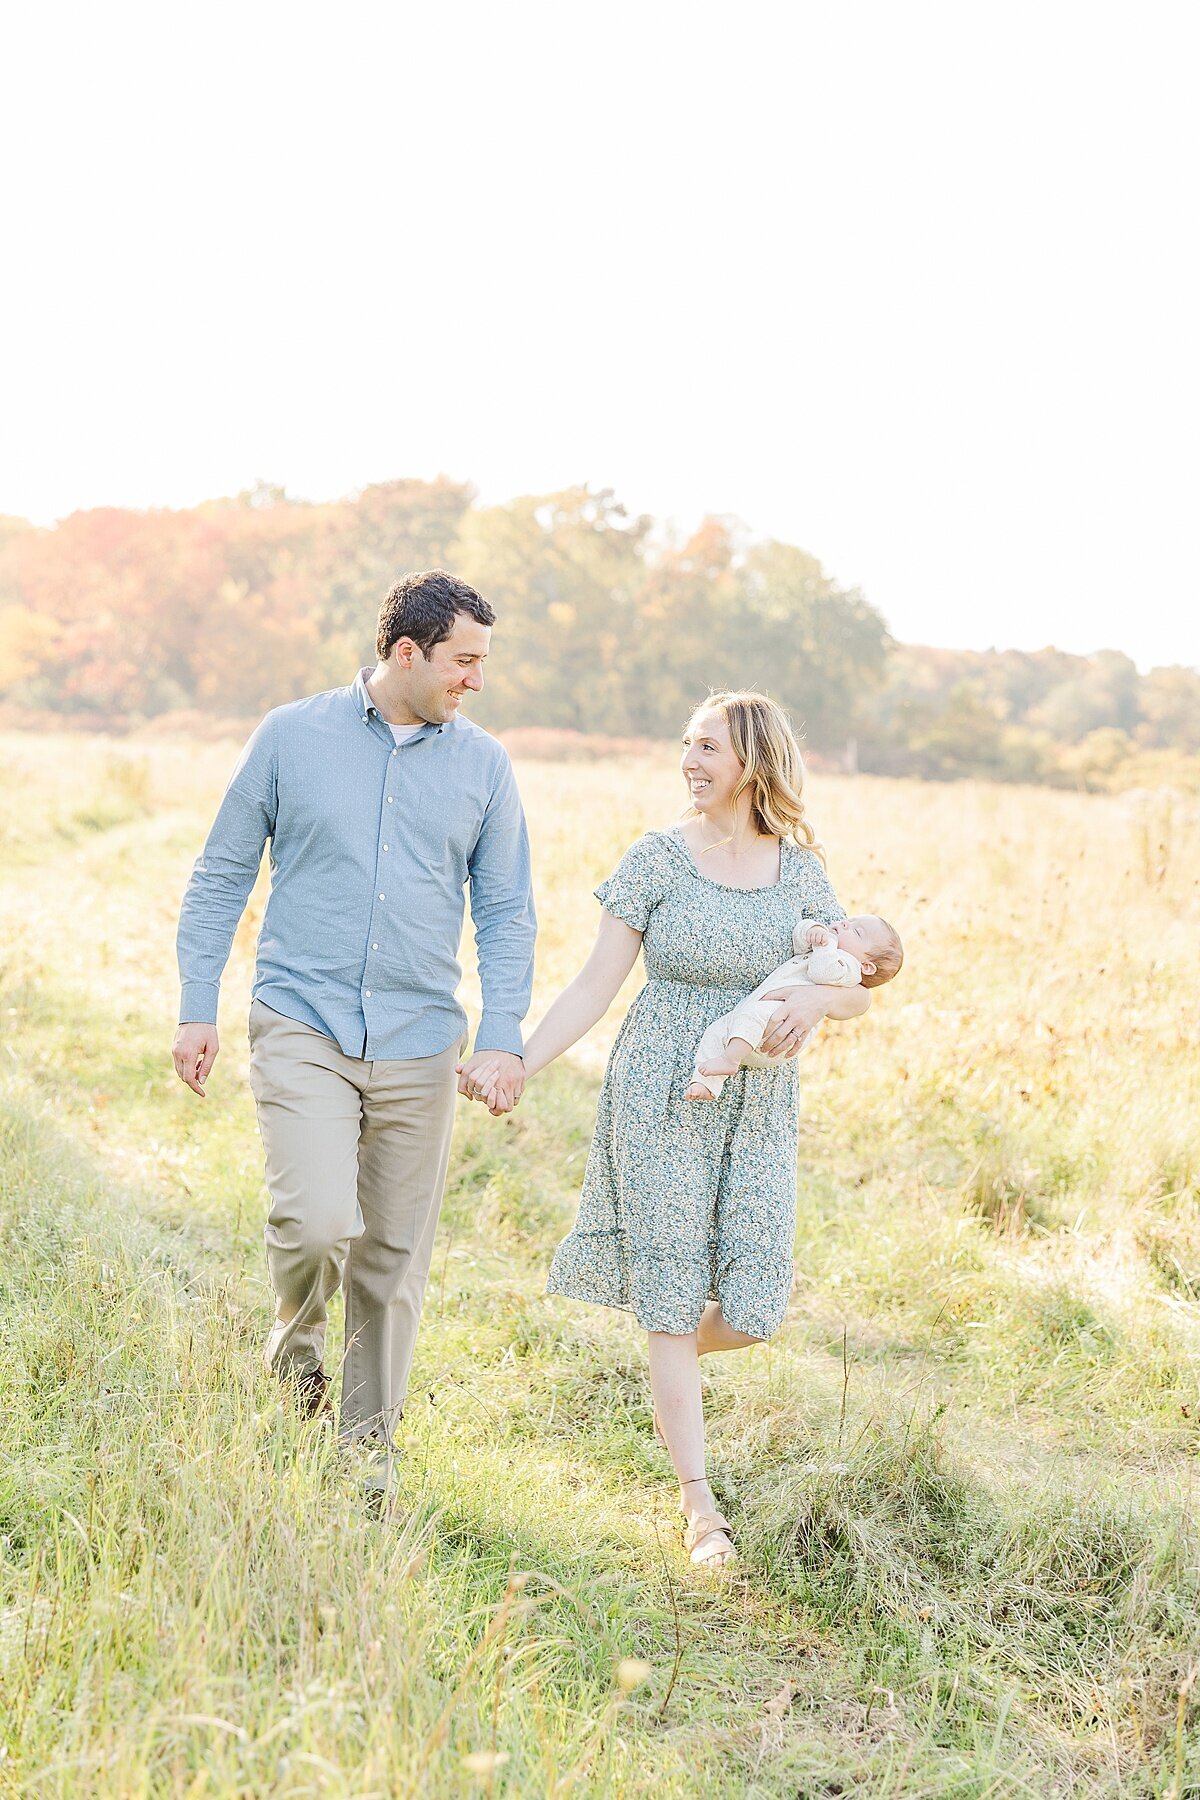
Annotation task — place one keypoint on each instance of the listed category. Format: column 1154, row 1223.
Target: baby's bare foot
column 721, row 1068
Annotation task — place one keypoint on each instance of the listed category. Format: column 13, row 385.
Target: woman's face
column 709, row 763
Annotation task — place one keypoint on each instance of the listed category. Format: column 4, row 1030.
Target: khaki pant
column 356, row 1162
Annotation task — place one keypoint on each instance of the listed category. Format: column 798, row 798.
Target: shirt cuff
column 198, row 1003
column 500, row 1031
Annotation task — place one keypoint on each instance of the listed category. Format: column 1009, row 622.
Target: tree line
column 117, row 616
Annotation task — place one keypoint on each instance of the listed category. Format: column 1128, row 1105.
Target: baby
column 864, row 950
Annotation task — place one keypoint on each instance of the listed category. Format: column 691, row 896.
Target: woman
column 688, row 1211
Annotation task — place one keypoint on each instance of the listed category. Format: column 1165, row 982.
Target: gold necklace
column 725, row 842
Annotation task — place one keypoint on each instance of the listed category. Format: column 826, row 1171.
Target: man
column 381, row 802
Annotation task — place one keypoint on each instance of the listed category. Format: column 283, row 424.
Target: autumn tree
column 243, row 602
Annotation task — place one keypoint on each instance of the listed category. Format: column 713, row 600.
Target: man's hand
column 194, row 1052
column 494, row 1076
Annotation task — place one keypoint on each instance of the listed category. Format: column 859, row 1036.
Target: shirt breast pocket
column 447, row 831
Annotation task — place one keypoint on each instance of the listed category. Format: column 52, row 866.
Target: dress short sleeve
column 820, row 902
column 635, row 886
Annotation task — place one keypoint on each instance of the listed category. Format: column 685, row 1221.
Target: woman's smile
column 709, row 765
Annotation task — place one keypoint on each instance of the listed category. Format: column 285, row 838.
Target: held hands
column 194, row 1052
column 494, row 1076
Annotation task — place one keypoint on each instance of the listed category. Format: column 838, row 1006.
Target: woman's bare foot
column 706, row 1536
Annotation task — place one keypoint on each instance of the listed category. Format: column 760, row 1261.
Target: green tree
column 818, row 647
column 563, row 571
column 681, row 630
column 1169, row 709
column 363, row 546
column 1103, row 692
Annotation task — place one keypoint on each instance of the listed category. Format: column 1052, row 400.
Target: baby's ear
column 868, row 968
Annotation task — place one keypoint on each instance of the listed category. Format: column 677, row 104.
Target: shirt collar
column 367, row 709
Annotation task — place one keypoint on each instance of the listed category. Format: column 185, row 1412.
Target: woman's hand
column 494, row 1076
column 801, row 1010
column 488, row 1076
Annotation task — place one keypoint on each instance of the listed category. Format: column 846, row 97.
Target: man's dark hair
column 424, row 607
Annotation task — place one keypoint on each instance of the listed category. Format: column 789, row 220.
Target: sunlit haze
column 913, row 287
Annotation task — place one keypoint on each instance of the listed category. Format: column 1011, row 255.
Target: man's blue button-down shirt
column 372, row 845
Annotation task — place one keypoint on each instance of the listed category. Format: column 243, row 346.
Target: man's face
column 436, row 685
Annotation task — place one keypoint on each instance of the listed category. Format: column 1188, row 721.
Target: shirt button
column 366, row 993
column 389, row 799
column 374, row 946
column 385, row 846
column 393, row 752
column 383, row 896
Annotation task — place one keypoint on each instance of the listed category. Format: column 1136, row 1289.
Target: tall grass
column 962, row 1477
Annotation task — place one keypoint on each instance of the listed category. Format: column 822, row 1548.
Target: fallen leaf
column 781, row 1701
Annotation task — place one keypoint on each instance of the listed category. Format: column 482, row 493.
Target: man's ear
column 403, row 652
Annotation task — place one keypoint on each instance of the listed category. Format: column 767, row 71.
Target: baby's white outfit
column 824, row 966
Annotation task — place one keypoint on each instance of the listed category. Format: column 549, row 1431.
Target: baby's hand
column 819, row 935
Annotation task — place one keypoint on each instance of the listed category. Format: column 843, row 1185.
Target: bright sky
column 914, row 286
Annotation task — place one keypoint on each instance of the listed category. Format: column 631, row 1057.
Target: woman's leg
column 675, row 1384
column 716, row 1333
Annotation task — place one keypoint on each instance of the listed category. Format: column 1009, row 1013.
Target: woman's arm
column 579, row 1006
column 802, row 1008
column 586, row 999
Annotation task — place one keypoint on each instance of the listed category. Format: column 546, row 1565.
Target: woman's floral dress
column 687, row 1201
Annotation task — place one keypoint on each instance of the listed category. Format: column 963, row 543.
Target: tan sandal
column 704, row 1525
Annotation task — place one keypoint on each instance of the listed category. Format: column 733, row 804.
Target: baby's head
column 875, row 944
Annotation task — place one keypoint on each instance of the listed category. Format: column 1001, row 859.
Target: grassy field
column 963, row 1476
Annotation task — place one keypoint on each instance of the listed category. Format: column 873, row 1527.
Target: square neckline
column 675, row 833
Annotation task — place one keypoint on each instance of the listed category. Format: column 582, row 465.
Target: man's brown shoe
column 310, row 1389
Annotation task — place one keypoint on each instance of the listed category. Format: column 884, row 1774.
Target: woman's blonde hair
column 765, row 744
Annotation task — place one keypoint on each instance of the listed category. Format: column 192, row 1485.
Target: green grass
column 962, row 1477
